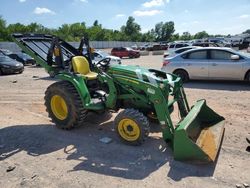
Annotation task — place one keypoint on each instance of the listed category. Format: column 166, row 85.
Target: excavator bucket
column 199, row 135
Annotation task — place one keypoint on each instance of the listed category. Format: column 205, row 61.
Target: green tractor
column 85, row 86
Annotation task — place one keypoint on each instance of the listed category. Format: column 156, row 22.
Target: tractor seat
column 81, row 66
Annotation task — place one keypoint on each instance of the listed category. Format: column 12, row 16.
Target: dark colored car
column 205, row 44
column 9, row 66
column 157, row 47
column 23, row 58
column 125, row 52
column 5, row 52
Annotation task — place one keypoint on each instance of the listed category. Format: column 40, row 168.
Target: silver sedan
column 209, row 63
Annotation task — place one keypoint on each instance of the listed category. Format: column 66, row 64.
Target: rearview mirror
column 235, row 57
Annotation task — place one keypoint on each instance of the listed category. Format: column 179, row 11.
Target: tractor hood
column 148, row 75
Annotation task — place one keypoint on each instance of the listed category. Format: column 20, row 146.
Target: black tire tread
column 184, row 73
column 78, row 112
column 140, row 119
column 247, row 77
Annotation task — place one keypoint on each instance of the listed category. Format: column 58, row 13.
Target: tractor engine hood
column 148, row 75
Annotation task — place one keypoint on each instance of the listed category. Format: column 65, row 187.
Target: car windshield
column 4, row 51
column 23, row 55
column 103, row 53
column 5, row 58
column 245, row 54
column 129, row 48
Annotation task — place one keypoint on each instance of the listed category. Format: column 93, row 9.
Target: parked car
column 248, row 48
column 174, row 46
column 205, row 44
column 9, row 66
column 135, row 47
column 125, row 52
column 179, row 50
column 99, row 55
column 209, row 63
column 157, row 47
column 145, row 47
column 23, row 58
column 5, row 51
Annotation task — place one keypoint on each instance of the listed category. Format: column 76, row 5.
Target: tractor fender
column 79, row 84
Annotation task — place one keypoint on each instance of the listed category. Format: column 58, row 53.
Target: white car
column 209, row 63
column 179, row 50
column 99, row 55
column 248, row 49
column 174, row 46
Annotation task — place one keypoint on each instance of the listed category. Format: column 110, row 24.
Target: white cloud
column 195, row 22
column 244, row 16
column 84, row 1
column 155, row 3
column 40, row 10
column 147, row 12
column 22, row 1
column 145, row 30
column 120, row 15
column 184, row 24
column 186, row 11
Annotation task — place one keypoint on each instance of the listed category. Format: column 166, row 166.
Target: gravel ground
column 37, row 154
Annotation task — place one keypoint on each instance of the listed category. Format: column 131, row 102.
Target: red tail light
column 165, row 63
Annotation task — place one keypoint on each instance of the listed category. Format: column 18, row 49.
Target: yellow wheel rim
column 128, row 129
column 59, row 107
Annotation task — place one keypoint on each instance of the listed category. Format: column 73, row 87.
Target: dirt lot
column 44, row 156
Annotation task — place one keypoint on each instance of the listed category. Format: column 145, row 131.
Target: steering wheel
column 104, row 62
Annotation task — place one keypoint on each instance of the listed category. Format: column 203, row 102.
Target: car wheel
column 1, row 72
column 248, row 77
column 132, row 126
column 183, row 75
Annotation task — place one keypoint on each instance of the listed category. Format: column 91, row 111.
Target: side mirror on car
column 235, row 57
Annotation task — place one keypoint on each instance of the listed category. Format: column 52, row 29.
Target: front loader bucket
column 198, row 136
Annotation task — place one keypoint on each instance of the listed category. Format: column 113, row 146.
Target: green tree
column 201, row 35
column 186, row 36
column 96, row 32
column 3, row 31
column 164, row 31
column 77, row 31
column 64, row 32
column 131, row 29
column 148, row 36
column 175, row 37
column 247, row 31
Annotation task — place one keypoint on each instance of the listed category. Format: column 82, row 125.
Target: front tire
column 248, row 77
column 64, row 105
column 132, row 126
column 183, row 75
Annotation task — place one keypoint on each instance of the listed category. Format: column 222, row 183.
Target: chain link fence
column 95, row 44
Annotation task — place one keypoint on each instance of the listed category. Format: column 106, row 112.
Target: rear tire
column 64, row 105
column 183, row 75
column 248, row 77
column 132, row 126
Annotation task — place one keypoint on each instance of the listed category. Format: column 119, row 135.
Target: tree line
column 131, row 31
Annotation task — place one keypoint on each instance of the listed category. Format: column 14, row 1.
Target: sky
column 214, row 16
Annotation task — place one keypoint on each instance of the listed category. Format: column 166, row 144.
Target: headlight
column 6, row 66
column 18, row 64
